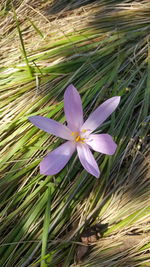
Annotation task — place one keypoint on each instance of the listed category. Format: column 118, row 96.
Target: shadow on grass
column 62, row 7
column 123, row 251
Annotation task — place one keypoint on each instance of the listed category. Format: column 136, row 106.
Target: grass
column 103, row 49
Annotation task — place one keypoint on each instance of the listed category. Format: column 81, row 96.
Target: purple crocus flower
column 78, row 134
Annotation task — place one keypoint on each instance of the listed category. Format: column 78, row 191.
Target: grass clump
column 103, row 49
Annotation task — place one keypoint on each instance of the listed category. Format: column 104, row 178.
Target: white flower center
column 78, row 138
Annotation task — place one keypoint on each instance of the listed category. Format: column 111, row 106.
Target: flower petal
column 102, row 143
column 73, row 108
column 87, row 160
column 51, row 126
column 101, row 114
column 55, row 161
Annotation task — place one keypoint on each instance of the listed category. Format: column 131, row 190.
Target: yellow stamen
column 74, row 133
column 84, row 131
column 78, row 138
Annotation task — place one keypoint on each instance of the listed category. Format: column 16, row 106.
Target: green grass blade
column 46, row 226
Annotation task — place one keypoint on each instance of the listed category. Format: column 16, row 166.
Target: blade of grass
column 22, row 43
column 46, row 226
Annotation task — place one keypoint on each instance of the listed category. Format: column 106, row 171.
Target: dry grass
column 103, row 48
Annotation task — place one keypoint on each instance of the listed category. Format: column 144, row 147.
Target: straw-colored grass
column 102, row 47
